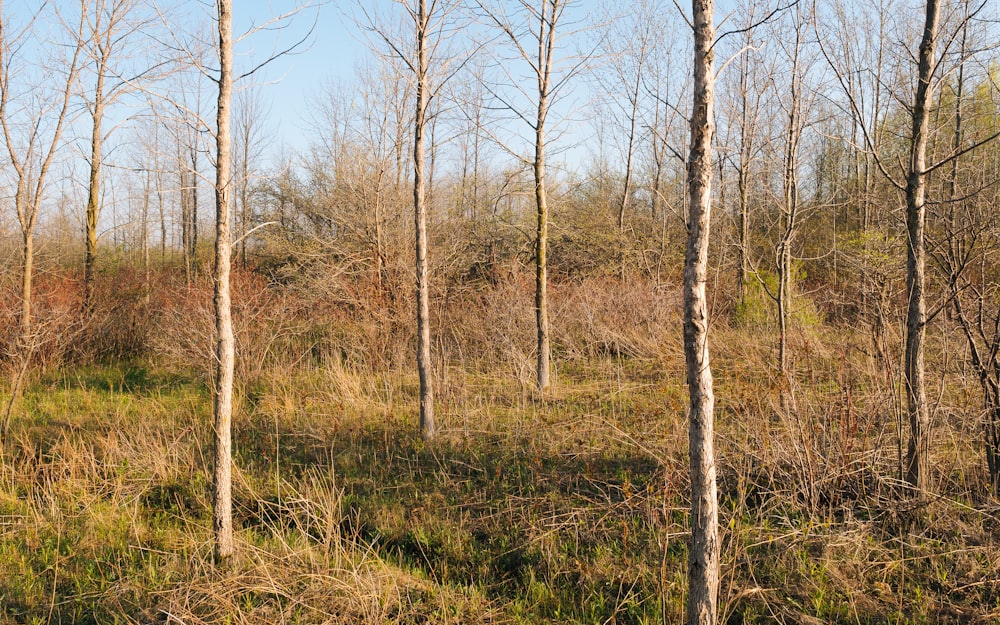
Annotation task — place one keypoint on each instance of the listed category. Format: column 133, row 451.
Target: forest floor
column 567, row 509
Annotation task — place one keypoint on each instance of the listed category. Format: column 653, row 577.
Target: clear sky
column 291, row 82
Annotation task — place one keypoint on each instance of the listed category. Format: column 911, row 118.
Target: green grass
column 567, row 510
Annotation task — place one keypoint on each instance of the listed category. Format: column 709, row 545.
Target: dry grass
column 568, row 508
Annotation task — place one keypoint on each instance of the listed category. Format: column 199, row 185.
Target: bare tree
column 745, row 116
column 870, row 91
column 914, row 187
column 43, row 114
column 188, row 125
column 795, row 108
column 532, row 28
column 110, row 30
column 358, row 206
column 668, row 130
column 471, row 94
column 703, row 558
column 248, row 141
column 967, row 247
column 158, row 169
column 224, row 352
column 546, row 42
column 222, row 498
column 969, row 260
column 627, row 49
column 188, row 152
column 144, row 168
column 421, row 18
column 916, row 309
column 429, row 65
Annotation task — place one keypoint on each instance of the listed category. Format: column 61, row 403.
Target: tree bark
column 546, row 42
column 244, row 199
column 629, row 154
column 916, row 312
column 185, row 202
column 193, row 207
column 743, row 271
column 222, row 503
column 24, row 345
column 743, row 173
column 420, row 222
column 27, row 277
column 703, row 558
column 93, row 193
column 541, row 260
column 790, row 188
column 147, row 275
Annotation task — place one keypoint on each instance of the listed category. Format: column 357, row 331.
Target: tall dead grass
column 808, row 464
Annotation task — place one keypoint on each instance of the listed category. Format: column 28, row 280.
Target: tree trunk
column 93, row 194
column 29, row 189
column 629, row 154
column 654, row 208
column 916, row 313
column 420, row 221
column 193, row 208
column 988, row 372
column 244, row 202
column 784, row 261
column 992, row 439
column 222, row 503
column 658, row 158
column 185, row 202
column 987, row 368
column 743, row 271
column 791, row 200
column 703, row 558
column 24, row 345
column 546, row 42
column 147, row 277
column 541, row 268
column 163, row 219
column 27, row 277
column 743, row 175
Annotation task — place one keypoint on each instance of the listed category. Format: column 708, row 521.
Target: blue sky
column 332, row 52
column 291, row 82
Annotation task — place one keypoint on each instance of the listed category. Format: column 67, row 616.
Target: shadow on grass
column 125, row 377
column 553, row 533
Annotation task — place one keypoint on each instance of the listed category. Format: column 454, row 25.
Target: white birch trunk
column 703, row 558
column 222, row 501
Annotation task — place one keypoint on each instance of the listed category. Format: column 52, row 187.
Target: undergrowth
column 570, row 508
